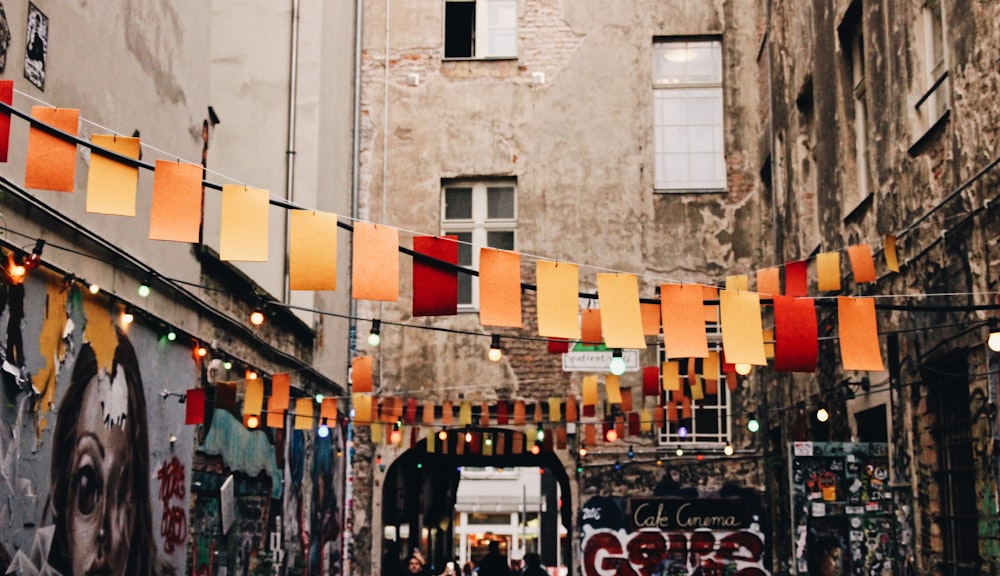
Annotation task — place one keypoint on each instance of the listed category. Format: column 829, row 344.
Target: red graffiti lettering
column 647, row 552
column 173, row 524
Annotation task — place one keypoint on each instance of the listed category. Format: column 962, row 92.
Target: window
column 707, row 425
column 480, row 214
column 854, row 41
column 932, row 84
column 494, row 22
column 687, row 116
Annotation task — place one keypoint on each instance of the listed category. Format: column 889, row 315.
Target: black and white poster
column 36, row 47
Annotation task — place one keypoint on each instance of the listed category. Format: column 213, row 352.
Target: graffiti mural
column 684, row 533
column 77, row 495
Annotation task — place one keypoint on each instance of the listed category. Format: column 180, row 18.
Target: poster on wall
column 842, row 512
column 36, row 47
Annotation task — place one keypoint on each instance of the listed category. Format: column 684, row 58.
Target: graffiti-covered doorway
column 523, row 504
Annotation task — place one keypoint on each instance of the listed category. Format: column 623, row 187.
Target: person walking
column 494, row 563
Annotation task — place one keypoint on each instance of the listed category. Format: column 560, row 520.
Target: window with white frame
column 480, row 214
column 708, row 424
column 480, row 28
column 853, row 36
column 932, row 85
column 687, row 116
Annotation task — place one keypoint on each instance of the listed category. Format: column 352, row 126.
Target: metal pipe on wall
column 293, row 66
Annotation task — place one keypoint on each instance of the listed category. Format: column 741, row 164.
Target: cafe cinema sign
column 669, row 514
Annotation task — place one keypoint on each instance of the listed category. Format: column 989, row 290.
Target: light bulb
column 323, row 431
column 257, row 317
column 994, row 341
column 94, row 288
column 374, row 337
column 728, row 450
column 583, row 451
column 540, row 435
column 495, row 353
column 443, row 435
column 823, row 414
column 253, row 421
column 536, row 449
column 127, row 318
column 753, row 424
column 319, row 398
column 682, row 431
column 468, row 437
column 680, row 451
column 171, row 336
column 611, row 435
column 617, row 366
column 227, row 365
column 144, row 289
column 743, row 369
column 488, row 440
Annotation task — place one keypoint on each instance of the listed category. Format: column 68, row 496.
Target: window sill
column 853, row 211
column 483, row 59
column 675, row 191
column 936, row 128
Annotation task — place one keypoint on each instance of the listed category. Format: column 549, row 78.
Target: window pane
column 675, row 139
column 500, row 202
column 459, row 25
column 502, row 27
column 458, row 203
column 464, row 259
column 503, row 240
column 687, row 62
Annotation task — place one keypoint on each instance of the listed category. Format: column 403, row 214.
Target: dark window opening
column 872, row 425
column 459, row 29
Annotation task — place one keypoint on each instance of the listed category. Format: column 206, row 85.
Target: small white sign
column 598, row 361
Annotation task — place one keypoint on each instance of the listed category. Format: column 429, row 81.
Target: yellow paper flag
column 51, row 163
column 859, row 347
column 558, row 299
column 375, row 260
column 303, row 413
column 742, row 328
column 738, row 282
column 253, row 397
column 362, row 404
column 828, row 272
column 621, row 319
column 175, row 212
column 588, row 389
column 671, row 372
column 312, row 250
column 891, row 259
column 499, row 288
column 683, row 321
column 243, row 235
column 612, row 387
column 111, row 184
column 555, row 409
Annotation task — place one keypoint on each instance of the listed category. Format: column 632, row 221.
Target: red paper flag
column 410, row 415
column 435, row 289
column 796, row 342
column 796, row 278
column 633, row 424
column 7, row 97
column 194, row 406
column 502, row 413
column 650, row 381
column 558, row 346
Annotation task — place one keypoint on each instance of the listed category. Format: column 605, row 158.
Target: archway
column 420, row 493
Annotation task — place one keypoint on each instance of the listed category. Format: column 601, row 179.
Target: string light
column 495, row 353
column 823, row 415
column 993, row 341
column 252, row 421
column 323, row 430
column 679, row 451
column 682, row 432
column 228, row 365
column 540, row 434
column 35, row 258
column 127, row 317
column 583, row 451
column 396, row 434
column 443, row 435
column 374, row 337
column 144, row 289
column 631, row 453
column 611, row 435
column 257, row 317
column 319, row 398
column 171, row 335
column 753, row 424
column 728, row 450
column 468, row 436
column 200, row 351
column 617, row 366
column 743, row 369
column 93, row 288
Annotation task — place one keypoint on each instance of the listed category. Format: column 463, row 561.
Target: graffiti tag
column 682, row 553
column 173, row 524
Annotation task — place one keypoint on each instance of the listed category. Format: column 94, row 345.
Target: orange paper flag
column 303, row 413
column 571, row 412
column 243, row 235
column 859, row 347
column 742, row 328
column 328, row 410
column 175, row 213
column 613, row 389
column 862, row 263
column 891, row 259
column 520, row 417
column 711, row 310
column 275, row 414
column 558, row 299
column 620, row 317
column 280, row 384
column 769, row 281
column 671, row 372
column 361, row 374
column 650, row 318
column 110, row 183
column 590, row 327
column 447, row 413
column 588, row 388
column 312, row 250
column 499, row 288
column 51, row 163
column 376, row 263
column 683, row 321
column 828, row 272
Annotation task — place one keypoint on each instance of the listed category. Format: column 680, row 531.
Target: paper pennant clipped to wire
column 742, row 327
column 795, row 332
column 859, row 347
column 435, row 289
column 280, row 391
column 176, row 209
column 51, row 163
column 558, row 299
column 7, row 97
column 375, row 261
column 796, row 278
column 684, row 335
column 111, row 184
column 828, row 272
column 621, row 320
column 361, row 374
column 738, row 282
column 650, row 318
column 253, row 397
column 862, row 263
column 889, row 250
column 590, row 327
column 312, row 250
column 194, row 406
column 499, row 288
column 243, row 234
column 769, row 281
column 304, row 414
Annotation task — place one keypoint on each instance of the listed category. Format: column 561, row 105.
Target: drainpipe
column 293, row 69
